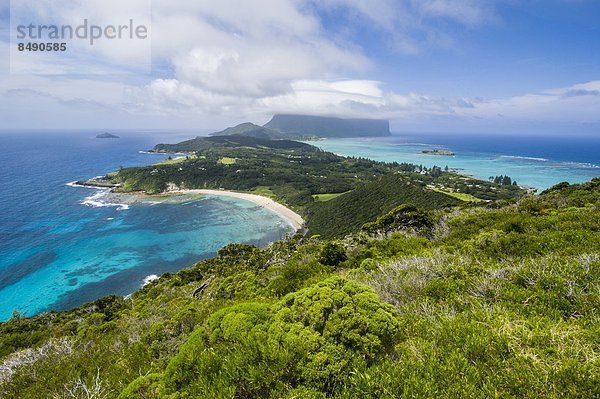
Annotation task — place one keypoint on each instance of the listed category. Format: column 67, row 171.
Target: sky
column 478, row 66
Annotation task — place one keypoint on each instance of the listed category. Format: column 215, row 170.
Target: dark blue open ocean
column 61, row 246
column 56, row 252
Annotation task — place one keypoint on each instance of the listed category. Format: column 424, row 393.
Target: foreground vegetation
column 489, row 300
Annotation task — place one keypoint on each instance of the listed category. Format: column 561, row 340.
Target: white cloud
column 232, row 60
column 467, row 12
column 578, row 103
column 251, row 48
column 413, row 25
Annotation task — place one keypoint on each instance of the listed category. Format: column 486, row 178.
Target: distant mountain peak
column 324, row 126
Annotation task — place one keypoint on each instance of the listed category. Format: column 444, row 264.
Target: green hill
column 251, row 130
column 347, row 213
column 229, row 142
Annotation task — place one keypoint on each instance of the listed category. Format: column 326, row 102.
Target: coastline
column 291, row 217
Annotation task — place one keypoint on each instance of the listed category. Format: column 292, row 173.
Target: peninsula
column 320, row 186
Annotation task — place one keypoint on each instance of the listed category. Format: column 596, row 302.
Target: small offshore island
column 107, row 136
column 403, row 281
column 438, row 152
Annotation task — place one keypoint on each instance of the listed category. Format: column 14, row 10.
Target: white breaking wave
column 164, row 153
column 149, row 279
column 526, row 158
column 583, row 165
column 556, row 164
column 100, row 200
column 76, row 183
column 425, row 145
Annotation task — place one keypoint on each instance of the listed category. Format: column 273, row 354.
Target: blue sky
column 526, row 47
column 493, row 66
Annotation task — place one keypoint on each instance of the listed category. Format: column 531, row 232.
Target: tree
column 436, row 171
column 332, row 254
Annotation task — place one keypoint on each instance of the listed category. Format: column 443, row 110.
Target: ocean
column 532, row 160
column 62, row 246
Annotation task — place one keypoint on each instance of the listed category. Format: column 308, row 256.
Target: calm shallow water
column 533, row 161
column 62, row 246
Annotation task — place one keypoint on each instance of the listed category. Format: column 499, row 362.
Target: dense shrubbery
column 494, row 301
column 313, row 338
column 404, row 217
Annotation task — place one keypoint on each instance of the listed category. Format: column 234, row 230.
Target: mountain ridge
column 329, row 127
column 299, row 127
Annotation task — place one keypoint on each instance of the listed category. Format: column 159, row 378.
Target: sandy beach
column 123, row 200
column 287, row 214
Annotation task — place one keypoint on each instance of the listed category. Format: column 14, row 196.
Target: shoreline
column 291, row 217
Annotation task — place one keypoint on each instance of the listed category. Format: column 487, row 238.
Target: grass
column 227, row 161
column 461, row 196
column 180, row 159
column 171, row 161
column 265, row 191
column 327, row 197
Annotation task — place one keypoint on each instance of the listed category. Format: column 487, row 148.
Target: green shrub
column 332, row 254
column 404, row 217
column 311, row 339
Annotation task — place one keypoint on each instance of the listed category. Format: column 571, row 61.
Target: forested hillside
column 347, row 213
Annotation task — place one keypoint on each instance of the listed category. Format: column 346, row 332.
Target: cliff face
column 305, row 125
